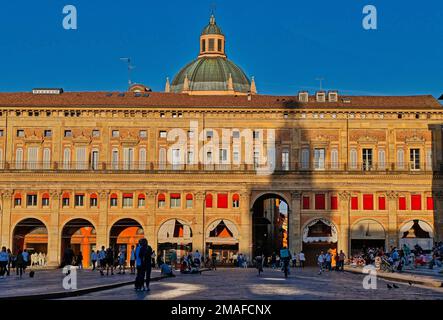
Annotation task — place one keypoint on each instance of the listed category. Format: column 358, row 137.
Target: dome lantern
column 212, row 40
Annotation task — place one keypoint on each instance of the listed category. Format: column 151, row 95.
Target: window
column 65, row 200
column 334, row 203
column 381, row 203
column 236, row 134
column 306, row 203
column 47, row 133
column 114, row 160
column 211, row 44
column 223, row 155
column 208, row 201
column 402, row 203
column 285, row 160
column 80, row 155
column 381, row 159
column 353, row 159
column 175, row 200
column 222, row 200
column 320, row 202
column 354, row 203
column 236, row 201
column 142, row 159
column 31, row 200
column 46, row 158
column 203, row 45
column 209, row 134
column 18, row 200
column 190, row 134
column 2, row 133
column 128, row 158
column 141, row 200
column 367, row 159
column 161, row 200
column 68, row 134
column 143, row 134
column 400, row 159
column 162, row 158
column 368, row 202
column 163, row 134
column 32, row 157
column 236, row 155
column 19, row 158
column 20, row 133
column 189, row 201
column 305, row 158
column 219, row 45
column 334, row 159
column 79, row 200
column 415, row 202
column 428, row 159
column 94, row 159
column 256, row 135
column 414, row 159
column 113, row 200
column 115, row 133
column 66, row 158
column 45, row 200
column 430, row 203
column 128, row 200
column 93, row 201
column 319, row 159
column 95, row 133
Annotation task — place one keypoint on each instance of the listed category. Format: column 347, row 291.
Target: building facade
column 183, row 168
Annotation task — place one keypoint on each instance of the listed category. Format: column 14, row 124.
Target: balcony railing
column 362, row 168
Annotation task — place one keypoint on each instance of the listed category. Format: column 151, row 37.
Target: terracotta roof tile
column 159, row 99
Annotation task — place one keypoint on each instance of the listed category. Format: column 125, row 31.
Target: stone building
column 191, row 168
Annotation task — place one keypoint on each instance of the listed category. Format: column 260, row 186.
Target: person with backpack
column 143, row 255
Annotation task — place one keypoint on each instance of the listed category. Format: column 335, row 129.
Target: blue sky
column 286, row 45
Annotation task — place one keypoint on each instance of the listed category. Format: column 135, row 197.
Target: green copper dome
column 212, row 27
column 211, row 74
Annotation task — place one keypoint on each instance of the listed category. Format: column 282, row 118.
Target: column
column 102, row 227
column 6, row 220
column 438, row 215
column 245, row 245
column 54, row 232
column 198, row 225
column 150, row 232
column 392, row 232
column 344, row 239
column 295, row 235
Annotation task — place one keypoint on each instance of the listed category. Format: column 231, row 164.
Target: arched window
column 161, row 200
column 208, row 201
column 400, row 159
column 236, row 201
column 19, row 158
column 142, row 159
column 381, row 159
column 46, row 158
column 353, row 159
column 334, row 159
column 67, row 158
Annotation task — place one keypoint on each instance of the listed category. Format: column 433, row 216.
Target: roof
column 212, row 27
column 211, row 74
column 161, row 99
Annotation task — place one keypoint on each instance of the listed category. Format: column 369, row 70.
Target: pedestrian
column 259, row 263
column 94, row 257
column 79, row 260
column 328, row 261
column 102, row 260
column 26, row 259
column 320, row 262
column 4, row 257
column 294, row 259
column 273, row 260
column 144, row 264
column 68, row 257
column 10, row 261
column 121, row 260
column 173, row 259
column 132, row 260
column 214, row 260
column 109, row 261
column 337, row 262
column 301, row 259
column 197, row 257
column 19, row 263
column 342, row 260
column 153, row 259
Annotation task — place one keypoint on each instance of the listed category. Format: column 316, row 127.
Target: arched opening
column 319, row 235
column 174, row 235
column 366, row 234
column 80, row 235
column 222, row 239
column 269, row 224
column 124, row 234
column 417, row 232
column 30, row 234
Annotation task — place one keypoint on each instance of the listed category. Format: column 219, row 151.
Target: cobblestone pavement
column 245, row 284
column 47, row 281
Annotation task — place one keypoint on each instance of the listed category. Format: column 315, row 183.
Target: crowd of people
column 397, row 259
column 10, row 262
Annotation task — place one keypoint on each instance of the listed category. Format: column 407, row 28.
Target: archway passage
column 319, row 235
column 367, row 234
column 222, row 239
column 80, row 235
column 124, row 234
column 417, row 232
column 174, row 235
column 30, row 234
column 269, row 224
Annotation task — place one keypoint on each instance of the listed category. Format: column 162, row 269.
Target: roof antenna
column 130, row 67
column 213, row 8
column 321, row 82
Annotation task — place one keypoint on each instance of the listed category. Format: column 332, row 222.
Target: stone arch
column 279, row 194
column 30, row 230
column 174, row 235
column 417, row 232
column 124, row 233
column 78, row 233
column 367, row 233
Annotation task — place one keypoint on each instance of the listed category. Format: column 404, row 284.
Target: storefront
column 366, row 234
column 222, row 238
column 174, row 235
column 417, row 232
column 319, row 235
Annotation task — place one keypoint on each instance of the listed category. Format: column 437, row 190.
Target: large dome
column 211, row 74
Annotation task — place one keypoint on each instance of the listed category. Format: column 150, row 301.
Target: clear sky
column 285, row 44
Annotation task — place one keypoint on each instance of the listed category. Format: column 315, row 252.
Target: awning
column 167, row 231
column 114, row 196
column 128, row 195
column 189, row 196
column 331, row 239
column 45, row 195
column 65, row 195
column 236, row 197
column 93, row 196
column 175, row 195
column 141, row 196
column 161, row 197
